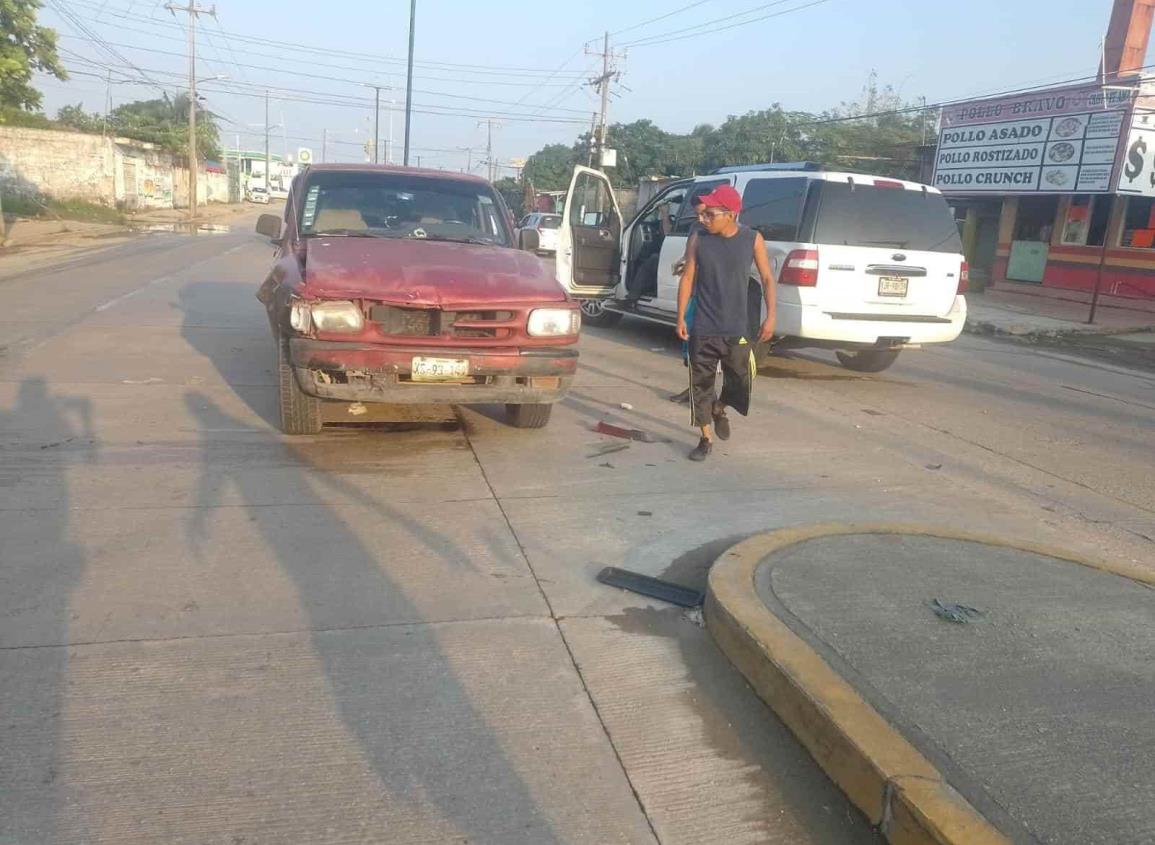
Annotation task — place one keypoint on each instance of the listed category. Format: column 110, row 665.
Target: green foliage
column 25, row 49
column 853, row 136
column 10, row 116
column 511, row 190
column 550, row 167
column 164, row 122
column 75, row 117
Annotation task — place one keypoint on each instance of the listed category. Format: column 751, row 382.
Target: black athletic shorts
column 736, row 355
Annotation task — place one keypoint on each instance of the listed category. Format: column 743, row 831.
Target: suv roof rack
column 782, row 165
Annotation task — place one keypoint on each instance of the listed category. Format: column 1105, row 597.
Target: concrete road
column 213, row 633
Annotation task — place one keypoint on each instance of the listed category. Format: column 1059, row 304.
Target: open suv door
column 589, row 239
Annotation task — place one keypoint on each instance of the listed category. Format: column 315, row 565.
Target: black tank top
column 721, row 284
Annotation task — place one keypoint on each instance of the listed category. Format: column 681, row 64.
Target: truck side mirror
column 269, row 225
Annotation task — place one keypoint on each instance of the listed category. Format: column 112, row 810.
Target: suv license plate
column 893, row 286
column 439, row 369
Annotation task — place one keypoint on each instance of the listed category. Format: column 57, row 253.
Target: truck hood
column 430, row 273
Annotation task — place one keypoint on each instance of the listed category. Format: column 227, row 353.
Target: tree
column 164, row 122
column 25, row 48
column 550, row 167
column 511, row 191
column 75, row 117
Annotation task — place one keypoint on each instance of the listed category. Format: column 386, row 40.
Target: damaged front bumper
column 356, row 372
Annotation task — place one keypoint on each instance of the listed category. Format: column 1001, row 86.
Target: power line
column 500, row 70
column 324, row 77
column 345, row 101
column 699, row 30
column 659, row 18
column 79, row 25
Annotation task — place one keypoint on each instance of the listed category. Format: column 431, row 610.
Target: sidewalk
column 1034, row 311
column 1021, row 719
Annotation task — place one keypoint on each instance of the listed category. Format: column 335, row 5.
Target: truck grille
column 431, row 322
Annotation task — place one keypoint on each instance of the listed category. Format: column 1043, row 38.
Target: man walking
column 718, row 259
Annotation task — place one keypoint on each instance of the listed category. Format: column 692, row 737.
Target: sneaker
column 722, row 426
column 701, row 450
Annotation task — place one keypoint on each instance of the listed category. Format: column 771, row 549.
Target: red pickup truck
column 403, row 286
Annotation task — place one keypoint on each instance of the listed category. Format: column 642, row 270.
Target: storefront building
column 1056, row 187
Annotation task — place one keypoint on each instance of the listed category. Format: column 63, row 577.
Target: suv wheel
column 594, row 313
column 528, row 416
column 868, row 360
column 300, row 412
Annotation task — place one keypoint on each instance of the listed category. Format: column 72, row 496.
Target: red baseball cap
column 724, row 196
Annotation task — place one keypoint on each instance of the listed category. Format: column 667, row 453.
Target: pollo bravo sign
column 1065, row 140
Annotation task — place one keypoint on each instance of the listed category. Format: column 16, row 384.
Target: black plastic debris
column 608, row 449
column 958, row 613
column 655, row 588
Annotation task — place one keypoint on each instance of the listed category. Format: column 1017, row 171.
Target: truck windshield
column 399, row 205
column 863, row 215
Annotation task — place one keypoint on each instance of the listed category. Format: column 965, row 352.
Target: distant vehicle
column 403, row 286
column 865, row 266
column 537, row 232
column 258, row 194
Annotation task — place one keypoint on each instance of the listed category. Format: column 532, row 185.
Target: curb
column 987, row 328
column 879, row 770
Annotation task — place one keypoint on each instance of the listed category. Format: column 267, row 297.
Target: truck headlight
column 554, row 322
column 337, row 316
column 299, row 317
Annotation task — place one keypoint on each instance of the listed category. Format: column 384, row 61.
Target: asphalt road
column 213, row 633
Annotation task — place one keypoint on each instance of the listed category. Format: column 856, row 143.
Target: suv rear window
column 774, row 207
column 864, row 215
column 399, row 205
column 550, row 221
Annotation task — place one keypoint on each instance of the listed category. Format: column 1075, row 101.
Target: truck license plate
column 893, row 286
column 439, row 369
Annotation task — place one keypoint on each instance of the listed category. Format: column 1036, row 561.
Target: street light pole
column 409, row 78
column 376, row 125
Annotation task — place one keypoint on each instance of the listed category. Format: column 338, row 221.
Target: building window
column 1138, row 223
column 1086, row 221
column 1036, row 218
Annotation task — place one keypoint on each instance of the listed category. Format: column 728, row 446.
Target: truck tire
column 300, row 412
column 868, row 360
column 594, row 313
column 528, row 416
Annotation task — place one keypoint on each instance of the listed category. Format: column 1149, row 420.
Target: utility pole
column 377, row 123
column 409, row 77
column 268, row 158
column 489, row 124
column 468, row 158
column 324, row 144
column 602, row 83
column 193, row 11
column 107, row 104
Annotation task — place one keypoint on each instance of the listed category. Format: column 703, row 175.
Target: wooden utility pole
column 609, row 74
column 268, row 158
column 1128, row 33
column 324, row 144
column 193, row 11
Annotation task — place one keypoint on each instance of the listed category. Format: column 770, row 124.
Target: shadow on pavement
column 465, row 773
column 39, row 571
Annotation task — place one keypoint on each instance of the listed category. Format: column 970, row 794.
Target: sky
column 526, row 65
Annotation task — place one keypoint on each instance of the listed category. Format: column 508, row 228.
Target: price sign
column 1138, row 172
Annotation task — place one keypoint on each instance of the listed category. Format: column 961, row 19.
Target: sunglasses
column 711, row 215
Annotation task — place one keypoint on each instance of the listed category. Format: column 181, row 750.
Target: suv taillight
column 964, row 278
column 800, row 268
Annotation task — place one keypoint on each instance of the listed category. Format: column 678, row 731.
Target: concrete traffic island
column 958, row 688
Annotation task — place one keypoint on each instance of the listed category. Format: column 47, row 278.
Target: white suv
column 537, row 232
column 865, row 266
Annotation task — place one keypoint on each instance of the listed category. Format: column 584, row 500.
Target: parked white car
column 537, row 232
column 258, row 194
column 865, row 266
